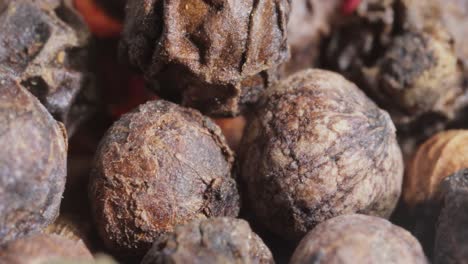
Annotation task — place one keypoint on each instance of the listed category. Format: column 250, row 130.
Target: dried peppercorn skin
column 451, row 244
column 316, row 148
column 436, row 159
column 32, row 162
column 358, row 239
column 378, row 48
column 212, row 47
column 44, row 248
column 215, row 240
column 44, row 44
column 159, row 166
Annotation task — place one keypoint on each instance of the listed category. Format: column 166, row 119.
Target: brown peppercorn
column 159, row 166
column 44, row 248
column 215, row 240
column 32, row 162
column 309, row 23
column 358, row 239
column 44, row 44
column 212, row 55
column 402, row 55
column 440, row 156
column 316, row 148
column 454, row 13
column 451, row 245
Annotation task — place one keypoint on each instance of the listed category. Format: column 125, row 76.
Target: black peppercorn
column 316, row 148
column 44, row 44
column 451, row 244
column 215, row 240
column 170, row 165
column 358, row 239
column 212, row 55
column 32, row 162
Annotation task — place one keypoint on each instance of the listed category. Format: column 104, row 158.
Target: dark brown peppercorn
column 159, row 166
column 216, row 240
column 358, row 239
column 403, row 56
column 213, row 55
column 44, row 44
column 316, row 148
column 451, row 244
column 32, row 162
column 44, row 248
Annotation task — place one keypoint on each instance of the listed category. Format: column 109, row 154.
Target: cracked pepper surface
column 316, row 148
column 159, row 166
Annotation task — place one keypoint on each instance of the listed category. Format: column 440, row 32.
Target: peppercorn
column 403, row 56
column 316, row 148
column 44, row 44
column 169, row 165
column 358, row 239
column 309, row 24
column 215, row 240
column 216, row 56
column 442, row 155
column 451, row 245
column 454, row 14
column 32, row 162
column 44, row 248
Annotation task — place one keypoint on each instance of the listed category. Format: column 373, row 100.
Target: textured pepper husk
column 316, row 148
column 32, row 162
column 358, row 239
column 215, row 240
column 44, row 44
column 451, row 244
column 207, row 53
column 403, row 55
column 170, row 164
column 45, row 248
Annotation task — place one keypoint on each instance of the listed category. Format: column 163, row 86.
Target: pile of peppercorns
column 240, row 131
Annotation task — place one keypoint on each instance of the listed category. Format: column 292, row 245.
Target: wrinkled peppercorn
column 215, row 56
column 216, row 240
column 401, row 53
column 358, row 239
column 44, row 44
column 309, row 24
column 169, row 165
column 316, row 148
column 451, row 244
column 44, row 248
column 32, row 162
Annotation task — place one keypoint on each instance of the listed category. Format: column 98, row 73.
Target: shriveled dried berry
column 402, row 55
column 440, row 156
column 309, row 24
column 316, row 148
column 358, row 239
column 32, row 162
column 44, row 248
column 451, row 244
column 159, row 166
column 215, row 240
column 44, row 44
column 213, row 55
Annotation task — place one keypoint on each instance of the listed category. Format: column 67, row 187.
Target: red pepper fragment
column 349, row 6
